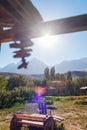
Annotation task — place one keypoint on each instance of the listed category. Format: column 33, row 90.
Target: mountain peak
column 35, row 66
column 35, row 60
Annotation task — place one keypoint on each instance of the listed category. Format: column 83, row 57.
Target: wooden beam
column 55, row 27
column 5, row 40
column 29, row 14
column 5, row 14
column 4, row 24
column 24, row 12
column 63, row 26
column 7, row 22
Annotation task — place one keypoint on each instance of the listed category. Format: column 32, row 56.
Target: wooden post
column 14, row 125
column 42, row 107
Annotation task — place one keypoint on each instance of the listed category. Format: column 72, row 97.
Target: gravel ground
column 29, row 108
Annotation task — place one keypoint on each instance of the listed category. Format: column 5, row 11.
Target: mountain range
column 36, row 66
column 72, row 65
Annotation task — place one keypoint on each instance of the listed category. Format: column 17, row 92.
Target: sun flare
column 46, row 42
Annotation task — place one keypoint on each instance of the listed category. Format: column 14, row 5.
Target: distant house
column 56, row 81
column 83, row 90
column 51, row 91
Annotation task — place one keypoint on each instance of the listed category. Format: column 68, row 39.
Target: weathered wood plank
column 66, row 25
column 62, row 26
column 57, row 118
column 4, row 13
column 3, row 23
column 31, row 117
column 32, row 123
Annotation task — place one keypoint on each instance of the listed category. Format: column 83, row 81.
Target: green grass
column 53, row 99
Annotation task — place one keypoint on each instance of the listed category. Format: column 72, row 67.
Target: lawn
column 72, row 109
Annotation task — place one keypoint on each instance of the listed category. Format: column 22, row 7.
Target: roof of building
column 83, row 88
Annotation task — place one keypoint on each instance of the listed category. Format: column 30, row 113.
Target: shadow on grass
column 51, row 107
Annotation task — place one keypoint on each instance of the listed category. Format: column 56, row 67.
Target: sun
column 46, row 42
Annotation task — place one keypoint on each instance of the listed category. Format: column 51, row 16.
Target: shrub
column 9, row 98
column 59, row 126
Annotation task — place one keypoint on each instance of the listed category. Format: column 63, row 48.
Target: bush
column 59, row 126
column 9, row 98
column 15, row 82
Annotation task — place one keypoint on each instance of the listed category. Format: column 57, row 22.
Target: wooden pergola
column 20, row 21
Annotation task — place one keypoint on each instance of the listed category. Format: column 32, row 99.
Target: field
column 72, row 109
column 74, row 112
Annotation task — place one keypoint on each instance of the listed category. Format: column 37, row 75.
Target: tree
column 52, row 73
column 46, row 73
column 3, row 82
column 69, row 75
column 16, row 81
column 60, row 77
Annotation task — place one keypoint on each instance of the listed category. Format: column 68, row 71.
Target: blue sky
column 60, row 47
